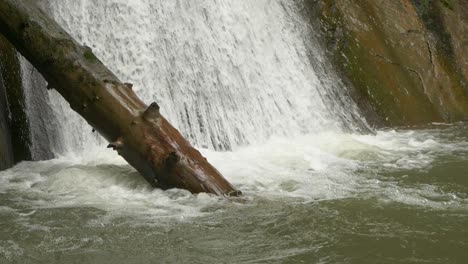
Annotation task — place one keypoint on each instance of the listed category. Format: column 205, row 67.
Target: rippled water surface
column 229, row 74
column 392, row 197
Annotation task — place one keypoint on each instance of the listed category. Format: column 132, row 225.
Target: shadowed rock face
column 6, row 152
column 407, row 60
column 14, row 127
column 447, row 20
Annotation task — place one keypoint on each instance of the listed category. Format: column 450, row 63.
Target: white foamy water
column 226, row 73
column 244, row 75
column 309, row 168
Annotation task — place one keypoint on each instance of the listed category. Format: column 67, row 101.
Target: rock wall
column 407, row 58
column 455, row 20
column 6, row 149
column 14, row 125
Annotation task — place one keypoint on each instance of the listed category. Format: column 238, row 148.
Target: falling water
column 226, row 73
column 245, row 75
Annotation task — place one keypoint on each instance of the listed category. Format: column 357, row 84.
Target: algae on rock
column 396, row 61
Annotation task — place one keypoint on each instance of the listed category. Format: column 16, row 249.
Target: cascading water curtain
column 226, row 73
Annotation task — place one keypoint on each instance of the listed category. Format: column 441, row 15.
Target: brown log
column 139, row 133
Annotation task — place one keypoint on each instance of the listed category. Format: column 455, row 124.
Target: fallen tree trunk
column 138, row 132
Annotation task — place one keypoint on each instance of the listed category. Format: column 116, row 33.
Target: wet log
column 139, row 133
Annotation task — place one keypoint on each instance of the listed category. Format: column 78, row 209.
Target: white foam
column 9, row 250
column 309, row 168
column 225, row 73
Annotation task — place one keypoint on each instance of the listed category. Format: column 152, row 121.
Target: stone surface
column 396, row 61
column 6, row 150
column 453, row 16
column 14, row 121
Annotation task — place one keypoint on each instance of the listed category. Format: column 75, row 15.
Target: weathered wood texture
column 136, row 131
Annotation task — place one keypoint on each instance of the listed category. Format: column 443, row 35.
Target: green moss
column 350, row 60
column 426, row 7
column 431, row 13
column 395, row 93
column 450, row 4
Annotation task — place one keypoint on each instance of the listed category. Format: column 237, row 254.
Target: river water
column 393, row 197
column 249, row 85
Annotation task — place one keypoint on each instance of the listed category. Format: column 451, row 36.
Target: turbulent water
column 244, row 76
column 393, row 197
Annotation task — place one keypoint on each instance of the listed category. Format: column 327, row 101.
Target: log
column 138, row 132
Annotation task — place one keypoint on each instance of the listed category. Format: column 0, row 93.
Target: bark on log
column 136, row 131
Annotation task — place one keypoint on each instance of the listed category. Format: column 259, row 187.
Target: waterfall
column 225, row 73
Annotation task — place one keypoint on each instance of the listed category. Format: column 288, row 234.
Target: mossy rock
column 387, row 52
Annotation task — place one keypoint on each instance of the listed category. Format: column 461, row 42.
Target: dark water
column 394, row 197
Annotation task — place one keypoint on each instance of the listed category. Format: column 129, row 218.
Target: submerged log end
column 129, row 86
column 235, row 193
column 200, row 177
column 188, row 169
column 176, row 164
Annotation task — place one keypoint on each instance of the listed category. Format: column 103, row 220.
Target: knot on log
column 172, row 159
column 112, row 82
column 129, row 86
column 116, row 145
column 23, row 26
column 152, row 112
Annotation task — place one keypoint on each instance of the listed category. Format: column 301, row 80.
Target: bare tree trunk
column 139, row 133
